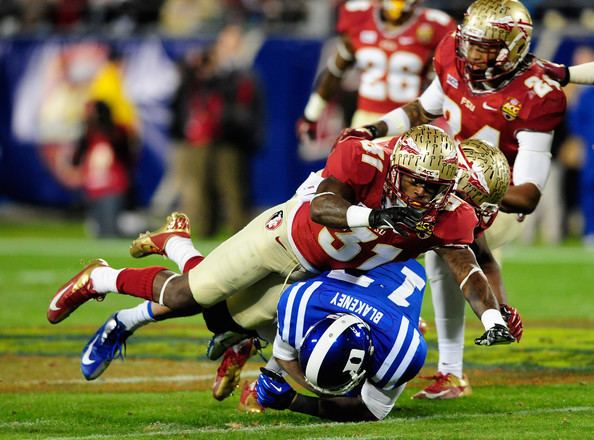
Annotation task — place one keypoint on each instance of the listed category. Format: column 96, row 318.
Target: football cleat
column 77, row 291
column 177, row 224
column 445, row 386
column 248, row 402
column 108, row 343
column 229, row 372
column 218, row 344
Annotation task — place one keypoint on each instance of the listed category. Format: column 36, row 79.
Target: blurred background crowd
column 119, row 111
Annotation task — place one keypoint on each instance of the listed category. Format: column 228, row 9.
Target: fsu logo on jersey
column 275, row 221
column 511, row 109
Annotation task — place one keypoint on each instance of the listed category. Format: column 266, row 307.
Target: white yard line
column 268, row 428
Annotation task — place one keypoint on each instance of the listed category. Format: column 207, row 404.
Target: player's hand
column 496, row 335
column 513, row 319
column 358, row 133
column 557, row 72
column 273, row 391
column 395, row 218
column 306, row 129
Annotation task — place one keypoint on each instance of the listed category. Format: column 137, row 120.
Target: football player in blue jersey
column 353, row 339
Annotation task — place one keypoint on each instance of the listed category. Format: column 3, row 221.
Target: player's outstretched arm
column 274, row 392
column 327, row 87
column 578, row 74
column 475, row 287
column 491, row 268
column 400, row 120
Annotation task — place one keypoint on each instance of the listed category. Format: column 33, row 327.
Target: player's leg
column 448, row 304
column 109, row 341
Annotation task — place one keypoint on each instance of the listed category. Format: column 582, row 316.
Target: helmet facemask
column 423, row 156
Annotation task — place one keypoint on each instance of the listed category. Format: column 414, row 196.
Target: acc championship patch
column 511, row 108
column 275, row 221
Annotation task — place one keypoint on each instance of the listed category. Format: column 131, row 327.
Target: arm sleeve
column 432, row 98
column 533, row 161
column 380, row 402
column 283, row 350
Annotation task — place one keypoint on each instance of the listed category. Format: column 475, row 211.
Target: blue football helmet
column 335, row 353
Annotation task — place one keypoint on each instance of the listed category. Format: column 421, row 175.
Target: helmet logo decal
column 407, row 145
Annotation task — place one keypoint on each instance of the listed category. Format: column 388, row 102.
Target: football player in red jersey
column 376, row 202
column 489, row 87
column 392, row 43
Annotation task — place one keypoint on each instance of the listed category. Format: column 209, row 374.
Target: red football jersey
column 394, row 64
column 363, row 165
column 531, row 101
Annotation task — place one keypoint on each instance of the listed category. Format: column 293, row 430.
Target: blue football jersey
column 388, row 298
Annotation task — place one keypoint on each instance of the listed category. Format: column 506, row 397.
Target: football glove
column 306, row 129
column 557, row 72
column 273, row 391
column 496, row 335
column 513, row 319
column 395, row 218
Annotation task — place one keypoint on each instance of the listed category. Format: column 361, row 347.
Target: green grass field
column 542, row 388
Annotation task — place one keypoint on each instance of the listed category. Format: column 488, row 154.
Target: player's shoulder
column 445, row 52
column 456, row 222
column 352, row 13
column 542, row 94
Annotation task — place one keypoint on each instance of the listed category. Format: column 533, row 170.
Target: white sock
column 449, row 305
column 180, row 250
column 136, row 317
column 104, row 279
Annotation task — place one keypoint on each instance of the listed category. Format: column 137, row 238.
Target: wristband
column 490, row 317
column 314, row 108
column 357, row 216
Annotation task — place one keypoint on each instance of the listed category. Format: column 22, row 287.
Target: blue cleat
column 106, row 344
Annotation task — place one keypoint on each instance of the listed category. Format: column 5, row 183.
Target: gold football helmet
column 393, row 10
column 493, row 39
column 484, row 176
column 428, row 155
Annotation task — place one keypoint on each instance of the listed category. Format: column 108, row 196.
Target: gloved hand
column 306, row 129
column 496, row 335
column 395, row 218
column 513, row 319
column 273, row 391
column 557, row 72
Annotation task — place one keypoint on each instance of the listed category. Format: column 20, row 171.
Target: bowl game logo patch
column 275, row 221
column 511, row 109
column 424, row 230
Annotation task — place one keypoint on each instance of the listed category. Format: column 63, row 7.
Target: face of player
column 479, row 57
column 418, row 192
